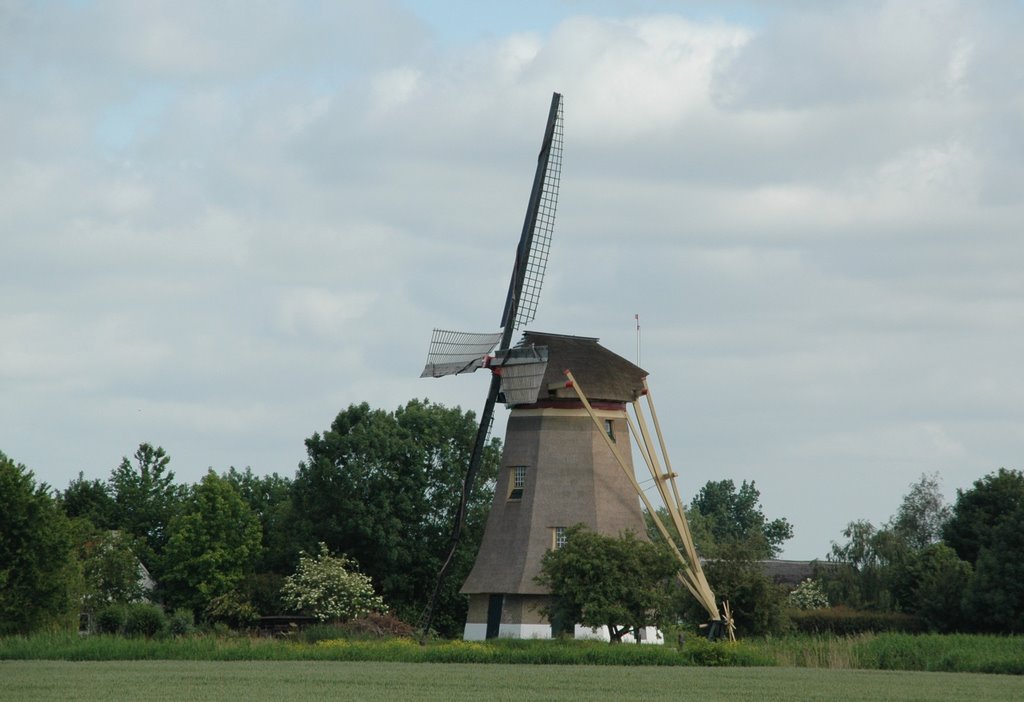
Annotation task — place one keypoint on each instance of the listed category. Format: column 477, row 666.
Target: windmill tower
column 556, row 471
column 566, row 459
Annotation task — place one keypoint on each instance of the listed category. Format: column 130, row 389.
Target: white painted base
column 474, row 632
column 648, row 635
column 478, row 632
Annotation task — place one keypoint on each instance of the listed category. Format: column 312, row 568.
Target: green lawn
column 319, row 681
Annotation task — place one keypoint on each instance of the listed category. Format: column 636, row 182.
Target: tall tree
column 91, row 499
column 995, row 597
column 212, row 545
column 269, row 498
column 901, row 566
column 382, row 488
column 979, row 510
column 39, row 578
column 922, row 514
column 725, row 517
column 111, row 569
column 145, row 498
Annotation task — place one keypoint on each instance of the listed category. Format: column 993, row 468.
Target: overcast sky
column 222, row 223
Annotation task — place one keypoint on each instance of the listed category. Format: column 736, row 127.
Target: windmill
column 562, row 462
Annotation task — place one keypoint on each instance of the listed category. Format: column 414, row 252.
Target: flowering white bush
column 330, row 588
column 808, row 595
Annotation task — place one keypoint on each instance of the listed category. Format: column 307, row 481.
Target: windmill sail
column 535, row 241
column 453, row 352
column 520, row 307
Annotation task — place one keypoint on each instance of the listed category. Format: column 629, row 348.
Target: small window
column 557, row 537
column 517, row 483
column 609, row 430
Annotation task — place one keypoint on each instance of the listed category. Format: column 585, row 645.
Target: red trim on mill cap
column 571, row 404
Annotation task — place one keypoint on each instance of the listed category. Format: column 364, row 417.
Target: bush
column 232, row 609
column 371, row 626
column 700, row 651
column 807, row 595
column 110, row 620
column 329, row 587
column 843, row 621
column 380, row 626
column 144, row 619
column 181, row 622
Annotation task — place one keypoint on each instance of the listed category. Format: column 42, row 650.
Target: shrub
column 329, row 587
column 110, row 620
column 181, row 622
column 144, row 619
column 232, row 609
column 700, row 651
column 807, row 595
column 380, row 626
column 372, row 626
column 843, row 620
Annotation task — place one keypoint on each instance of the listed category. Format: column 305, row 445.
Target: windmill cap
column 603, row 374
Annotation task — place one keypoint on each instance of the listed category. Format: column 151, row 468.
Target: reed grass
column 952, row 653
column 926, row 652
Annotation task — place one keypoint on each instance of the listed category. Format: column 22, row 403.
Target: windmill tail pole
column 468, row 483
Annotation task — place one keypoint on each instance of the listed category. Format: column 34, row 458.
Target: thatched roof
column 603, row 375
column 790, row 573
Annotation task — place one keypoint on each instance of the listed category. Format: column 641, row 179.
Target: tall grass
column 933, row 652
column 812, row 651
column 103, row 647
column 963, row 653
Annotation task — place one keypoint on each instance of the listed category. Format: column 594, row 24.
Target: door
column 495, row 603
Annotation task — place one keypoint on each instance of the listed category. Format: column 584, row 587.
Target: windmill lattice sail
column 453, row 352
column 543, row 226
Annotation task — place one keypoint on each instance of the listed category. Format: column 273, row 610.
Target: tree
column 212, row 545
column 979, row 510
column 860, row 576
column 995, row 597
column 330, row 588
column 269, row 498
column 723, row 517
column 145, row 498
column 922, row 514
column 939, row 580
column 90, row 499
column 902, row 567
column 39, row 579
column 111, row 570
column 383, row 488
column 602, row 581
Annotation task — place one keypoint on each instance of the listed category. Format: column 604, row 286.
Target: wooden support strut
column 691, row 575
column 679, row 513
column 674, row 508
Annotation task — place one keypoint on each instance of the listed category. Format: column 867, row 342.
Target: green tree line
column 957, row 567
column 376, row 488
column 373, row 501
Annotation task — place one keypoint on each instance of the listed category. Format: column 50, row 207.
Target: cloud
column 321, row 313
column 223, row 224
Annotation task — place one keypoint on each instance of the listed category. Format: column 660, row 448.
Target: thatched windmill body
column 556, row 471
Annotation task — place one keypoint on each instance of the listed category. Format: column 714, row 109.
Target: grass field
column 256, row 681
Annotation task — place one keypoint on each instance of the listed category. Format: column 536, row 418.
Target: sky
column 223, row 223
